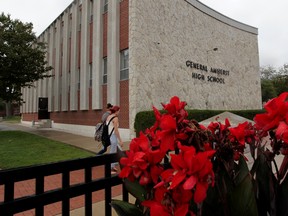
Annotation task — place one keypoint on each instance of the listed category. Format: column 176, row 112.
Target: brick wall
column 124, row 104
column 124, row 24
column 105, row 22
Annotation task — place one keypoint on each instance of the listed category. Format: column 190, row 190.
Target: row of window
column 124, row 55
column 124, row 66
column 105, row 8
column 124, row 70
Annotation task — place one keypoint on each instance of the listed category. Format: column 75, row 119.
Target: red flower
column 142, row 162
column 133, row 164
column 282, row 132
column 140, row 143
column 181, row 198
column 194, row 170
column 167, row 134
column 170, row 202
column 277, row 109
column 156, row 206
column 238, row 133
column 218, row 127
column 176, row 108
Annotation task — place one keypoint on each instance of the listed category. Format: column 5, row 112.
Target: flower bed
column 180, row 167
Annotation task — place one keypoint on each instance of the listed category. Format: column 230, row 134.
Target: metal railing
column 37, row 201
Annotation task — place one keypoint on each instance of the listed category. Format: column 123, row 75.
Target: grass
column 18, row 149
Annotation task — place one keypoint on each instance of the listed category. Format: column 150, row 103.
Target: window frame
column 105, row 6
column 124, row 64
column 104, row 71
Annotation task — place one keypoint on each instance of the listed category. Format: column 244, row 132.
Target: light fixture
column 214, row 49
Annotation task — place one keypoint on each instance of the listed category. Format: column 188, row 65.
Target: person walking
column 107, row 113
column 115, row 137
column 99, row 126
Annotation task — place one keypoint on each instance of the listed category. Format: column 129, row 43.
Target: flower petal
column 190, row 183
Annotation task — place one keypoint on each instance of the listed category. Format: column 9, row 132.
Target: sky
column 269, row 17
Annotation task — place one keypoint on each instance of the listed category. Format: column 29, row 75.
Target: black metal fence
column 37, row 201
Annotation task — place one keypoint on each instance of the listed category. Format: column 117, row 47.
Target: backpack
column 98, row 131
column 105, row 134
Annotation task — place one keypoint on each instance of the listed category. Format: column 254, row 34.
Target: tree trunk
column 8, row 109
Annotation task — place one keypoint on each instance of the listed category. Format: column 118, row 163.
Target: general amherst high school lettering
column 202, row 77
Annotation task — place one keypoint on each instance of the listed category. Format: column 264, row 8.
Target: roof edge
column 222, row 18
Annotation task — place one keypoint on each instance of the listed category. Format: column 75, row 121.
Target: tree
column 280, row 83
column 22, row 59
column 281, row 80
column 268, row 90
column 268, row 72
column 273, row 81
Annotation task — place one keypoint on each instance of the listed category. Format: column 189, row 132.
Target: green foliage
column 22, row 58
column 268, row 90
column 12, row 119
column 144, row 120
column 283, row 197
column 242, row 199
column 123, row 208
column 273, row 81
column 2, row 105
column 280, row 83
column 236, row 192
column 266, row 185
column 19, row 149
column 136, row 190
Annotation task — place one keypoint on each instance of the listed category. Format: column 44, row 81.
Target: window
column 69, row 81
column 105, row 7
column 91, row 10
column 79, row 77
column 104, row 81
column 80, row 19
column 124, row 64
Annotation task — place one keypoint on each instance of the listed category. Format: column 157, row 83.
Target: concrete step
column 43, row 123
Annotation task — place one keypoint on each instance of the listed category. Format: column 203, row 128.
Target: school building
column 139, row 53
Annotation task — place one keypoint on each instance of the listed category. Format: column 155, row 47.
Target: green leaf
column 231, row 197
column 216, row 201
column 255, row 166
column 212, row 204
column 124, row 208
column 137, row 190
column 266, row 186
column 283, row 198
column 242, row 171
column 242, row 200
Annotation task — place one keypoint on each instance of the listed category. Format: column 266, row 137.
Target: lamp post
column 214, row 49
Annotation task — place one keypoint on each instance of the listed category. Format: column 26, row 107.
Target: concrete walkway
column 77, row 203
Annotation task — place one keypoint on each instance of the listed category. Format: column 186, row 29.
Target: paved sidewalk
column 77, row 203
